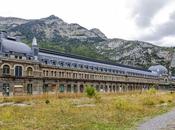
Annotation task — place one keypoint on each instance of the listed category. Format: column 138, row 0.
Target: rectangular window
column 18, row 71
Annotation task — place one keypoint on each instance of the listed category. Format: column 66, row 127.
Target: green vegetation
column 90, row 91
column 76, row 48
column 76, row 112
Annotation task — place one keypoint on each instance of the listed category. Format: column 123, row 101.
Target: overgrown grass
column 61, row 112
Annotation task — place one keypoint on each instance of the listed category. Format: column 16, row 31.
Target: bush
column 169, row 101
column 19, row 100
column 152, row 91
column 122, row 104
column 161, row 101
column 125, row 105
column 7, row 100
column 97, row 98
column 90, row 91
column 148, row 102
column 47, row 101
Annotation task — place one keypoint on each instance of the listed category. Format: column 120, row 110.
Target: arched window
column 47, row 73
column 6, row 69
column 18, row 71
column 29, row 71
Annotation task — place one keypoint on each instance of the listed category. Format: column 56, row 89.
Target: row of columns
column 79, row 87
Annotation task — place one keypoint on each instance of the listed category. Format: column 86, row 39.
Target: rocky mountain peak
column 52, row 17
column 98, row 32
column 53, row 28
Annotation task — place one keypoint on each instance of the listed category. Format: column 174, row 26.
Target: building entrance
column 6, row 89
column 29, row 89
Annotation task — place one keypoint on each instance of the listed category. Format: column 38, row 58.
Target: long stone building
column 32, row 70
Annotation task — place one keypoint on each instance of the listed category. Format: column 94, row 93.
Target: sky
column 146, row 20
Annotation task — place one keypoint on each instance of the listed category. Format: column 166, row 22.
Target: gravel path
column 162, row 122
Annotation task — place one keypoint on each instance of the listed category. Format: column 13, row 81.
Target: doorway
column 6, row 89
column 29, row 89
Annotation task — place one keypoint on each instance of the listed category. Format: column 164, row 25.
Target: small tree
column 90, row 91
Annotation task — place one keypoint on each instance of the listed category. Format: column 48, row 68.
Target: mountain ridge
column 53, row 33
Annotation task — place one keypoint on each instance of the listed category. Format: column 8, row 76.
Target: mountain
column 10, row 22
column 53, row 33
column 54, row 29
column 135, row 53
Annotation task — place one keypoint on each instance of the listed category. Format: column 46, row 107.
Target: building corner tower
column 35, row 49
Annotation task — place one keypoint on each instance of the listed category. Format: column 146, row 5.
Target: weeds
column 112, row 111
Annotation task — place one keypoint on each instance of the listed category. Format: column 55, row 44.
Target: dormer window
column 92, row 68
column 81, row 66
column 45, row 62
column 6, row 55
column 68, row 64
column 75, row 65
column 96, row 68
column 86, row 66
column 53, row 62
column 20, row 57
column 62, row 64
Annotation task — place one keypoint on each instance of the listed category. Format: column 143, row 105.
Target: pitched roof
column 88, row 59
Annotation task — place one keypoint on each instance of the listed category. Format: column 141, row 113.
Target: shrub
column 171, row 92
column 121, row 104
column 152, row 91
column 169, row 101
column 47, row 101
column 90, row 91
column 148, row 102
column 125, row 105
column 7, row 100
column 161, row 101
column 18, row 100
column 97, row 98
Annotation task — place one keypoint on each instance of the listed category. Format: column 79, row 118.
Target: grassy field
column 77, row 112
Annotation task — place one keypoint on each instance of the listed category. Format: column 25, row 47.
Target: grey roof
column 14, row 46
column 78, row 57
column 61, row 58
column 159, row 69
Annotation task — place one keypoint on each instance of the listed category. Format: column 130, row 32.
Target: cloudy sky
column 146, row 20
